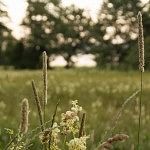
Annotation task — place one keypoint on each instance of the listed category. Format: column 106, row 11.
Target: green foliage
column 6, row 40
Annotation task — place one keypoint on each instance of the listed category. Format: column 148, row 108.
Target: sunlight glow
column 91, row 6
column 17, row 9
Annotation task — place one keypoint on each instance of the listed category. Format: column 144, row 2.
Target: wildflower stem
column 81, row 131
column 140, row 108
column 52, row 123
column 9, row 144
column 65, row 139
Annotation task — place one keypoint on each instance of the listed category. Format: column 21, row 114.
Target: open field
column 100, row 93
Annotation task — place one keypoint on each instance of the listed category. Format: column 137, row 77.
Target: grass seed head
column 140, row 42
column 109, row 142
column 45, row 77
column 24, row 116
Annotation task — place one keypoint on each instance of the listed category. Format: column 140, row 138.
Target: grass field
column 100, row 93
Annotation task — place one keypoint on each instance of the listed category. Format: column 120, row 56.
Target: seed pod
column 24, row 116
column 140, row 42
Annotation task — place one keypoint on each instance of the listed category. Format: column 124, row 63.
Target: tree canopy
column 6, row 39
column 56, row 30
column 118, row 25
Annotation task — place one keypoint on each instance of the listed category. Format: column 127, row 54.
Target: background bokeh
column 107, row 30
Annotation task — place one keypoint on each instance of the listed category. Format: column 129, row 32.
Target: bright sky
column 92, row 6
column 17, row 8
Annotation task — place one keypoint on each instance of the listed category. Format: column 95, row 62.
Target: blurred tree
column 75, row 33
column 41, row 20
column 118, row 26
column 57, row 30
column 17, row 55
column 6, row 40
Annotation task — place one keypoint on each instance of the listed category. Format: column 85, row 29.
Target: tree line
column 68, row 31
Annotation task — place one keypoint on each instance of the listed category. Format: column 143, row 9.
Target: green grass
column 100, row 93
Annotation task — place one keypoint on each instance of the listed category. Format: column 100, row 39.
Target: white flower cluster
column 75, row 107
column 78, row 143
column 55, row 137
column 54, row 134
column 69, row 128
column 70, row 119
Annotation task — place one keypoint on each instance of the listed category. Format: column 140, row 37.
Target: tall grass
column 44, row 82
column 24, row 116
column 71, row 127
column 38, row 103
column 141, row 68
column 108, row 144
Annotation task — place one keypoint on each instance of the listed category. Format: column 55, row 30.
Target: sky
column 17, row 8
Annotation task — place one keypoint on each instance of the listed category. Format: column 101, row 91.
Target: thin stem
column 64, row 142
column 9, row 144
column 52, row 123
column 38, row 105
column 114, row 121
column 39, row 110
column 81, row 131
column 140, row 108
column 44, row 83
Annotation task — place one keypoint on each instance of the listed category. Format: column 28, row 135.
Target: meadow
column 100, row 93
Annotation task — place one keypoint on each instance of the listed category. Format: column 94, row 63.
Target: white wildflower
column 75, row 107
column 44, row 136
column 70, row 119
column 78, row 143
column 52, row 133
column 55, row 137
column 55, row 130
